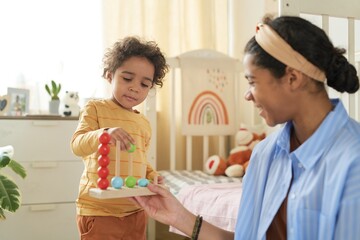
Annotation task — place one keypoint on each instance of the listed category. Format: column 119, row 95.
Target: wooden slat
column 334, row 8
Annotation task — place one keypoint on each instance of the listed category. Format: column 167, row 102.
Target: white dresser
column 50, row 189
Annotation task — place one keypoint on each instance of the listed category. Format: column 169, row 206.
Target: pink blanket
column 218, row 203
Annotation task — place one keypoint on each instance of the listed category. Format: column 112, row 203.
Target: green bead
column 132, row 148
column 130, row 181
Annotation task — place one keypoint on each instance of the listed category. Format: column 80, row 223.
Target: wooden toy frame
column 124, row 191
column 120, row 193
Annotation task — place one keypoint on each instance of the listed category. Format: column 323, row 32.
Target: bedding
column 179, row 179
column 217, row 203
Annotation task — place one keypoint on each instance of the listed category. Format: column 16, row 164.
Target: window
column 44, row 40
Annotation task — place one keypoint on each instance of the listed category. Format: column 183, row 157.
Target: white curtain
column 45, row 40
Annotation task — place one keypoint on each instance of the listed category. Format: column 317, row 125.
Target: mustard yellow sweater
column 94, row 118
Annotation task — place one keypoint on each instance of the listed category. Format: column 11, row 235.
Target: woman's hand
column 163, row 206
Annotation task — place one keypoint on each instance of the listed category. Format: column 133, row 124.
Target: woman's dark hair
column 133, row 46
column 312, row 43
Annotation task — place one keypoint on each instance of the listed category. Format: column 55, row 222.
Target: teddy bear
column 235, row 165
column 69, row 104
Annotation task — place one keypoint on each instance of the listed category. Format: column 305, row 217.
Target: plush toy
column 69, row 105
column 245, row 140
column 215, row 165
column 239, row 157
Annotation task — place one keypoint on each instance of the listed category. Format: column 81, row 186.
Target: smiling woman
column 44, row 40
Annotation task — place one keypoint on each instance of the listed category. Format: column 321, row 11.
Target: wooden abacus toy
column 131, row 188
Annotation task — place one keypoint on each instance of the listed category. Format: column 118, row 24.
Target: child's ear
column 109, row 76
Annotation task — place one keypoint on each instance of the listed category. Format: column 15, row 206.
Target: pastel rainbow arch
column 208, row 108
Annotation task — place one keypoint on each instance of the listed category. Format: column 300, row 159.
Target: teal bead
column 143, row 182
column 117, row 182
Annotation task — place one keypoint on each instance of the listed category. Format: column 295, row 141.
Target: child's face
column 132, row 81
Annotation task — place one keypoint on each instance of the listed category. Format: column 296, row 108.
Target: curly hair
column 134, row 46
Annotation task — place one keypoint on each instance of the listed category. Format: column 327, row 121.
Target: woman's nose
column 248, row 95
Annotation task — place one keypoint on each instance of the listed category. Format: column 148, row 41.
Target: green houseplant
column 9, row 191
column 53, row 90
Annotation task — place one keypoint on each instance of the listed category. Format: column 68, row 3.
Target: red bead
column 103, row 160
column 103, row 183
column 103, row 172
column 104, row 149
column 104, row 138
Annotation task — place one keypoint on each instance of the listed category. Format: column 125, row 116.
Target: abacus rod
column 130, row 168
column 117, row 163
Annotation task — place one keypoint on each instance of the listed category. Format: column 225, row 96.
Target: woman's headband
column 278, row 48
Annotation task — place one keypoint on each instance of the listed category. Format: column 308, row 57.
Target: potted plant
column 9, row 191
column 53, row 90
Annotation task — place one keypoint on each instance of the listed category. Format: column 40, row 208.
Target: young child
column 132, row 67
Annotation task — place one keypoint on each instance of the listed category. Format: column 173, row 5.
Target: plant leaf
column 17, row 168
column 10, row 195
column 4, row 161
column 53, row 84
column 48, row 89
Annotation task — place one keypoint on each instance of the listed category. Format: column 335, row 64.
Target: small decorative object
column 9, row 192
column 54, row 95
column 19, row 101
column 70, row 104
column 4, row 104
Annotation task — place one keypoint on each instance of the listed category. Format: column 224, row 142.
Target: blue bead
column 143, row 182
column 117, row 182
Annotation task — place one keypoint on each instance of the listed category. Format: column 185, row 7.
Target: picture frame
column 19, row 101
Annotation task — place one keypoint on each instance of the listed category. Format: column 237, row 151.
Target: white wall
column 243, row 17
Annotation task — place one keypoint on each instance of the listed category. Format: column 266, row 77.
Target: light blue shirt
column 324, row 196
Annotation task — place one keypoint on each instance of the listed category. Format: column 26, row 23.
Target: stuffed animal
column 239, row 157
column 69, row 104
column 215, row 165
column 245, row 140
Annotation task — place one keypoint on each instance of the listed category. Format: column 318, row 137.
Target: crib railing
column 221, row 141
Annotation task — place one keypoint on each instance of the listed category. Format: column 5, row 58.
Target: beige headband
column 277, row 47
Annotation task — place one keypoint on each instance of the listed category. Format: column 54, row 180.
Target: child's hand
column 119, row 134
column 160, row 180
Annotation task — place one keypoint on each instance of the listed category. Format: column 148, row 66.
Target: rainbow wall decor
column 208, row 109
column 207, row 95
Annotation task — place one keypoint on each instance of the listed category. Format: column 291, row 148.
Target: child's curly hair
column 133, row 46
